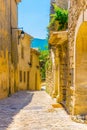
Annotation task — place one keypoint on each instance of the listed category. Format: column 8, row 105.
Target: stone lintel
column 58, row 37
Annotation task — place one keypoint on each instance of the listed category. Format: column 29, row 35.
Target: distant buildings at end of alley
column 66, row 75
column 41, row 44
column 19, row 64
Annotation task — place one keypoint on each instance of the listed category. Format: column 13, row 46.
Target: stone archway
column 81, row 55
column 80, row 95
column 76, row 92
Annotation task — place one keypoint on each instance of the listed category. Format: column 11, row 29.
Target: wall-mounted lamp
column 20, row 34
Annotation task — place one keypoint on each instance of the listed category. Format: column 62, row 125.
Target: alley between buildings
column 34, row 110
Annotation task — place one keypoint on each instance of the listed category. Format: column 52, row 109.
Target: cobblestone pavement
column 27, row 110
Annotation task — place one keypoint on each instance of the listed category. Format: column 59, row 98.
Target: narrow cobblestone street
column 27, row 110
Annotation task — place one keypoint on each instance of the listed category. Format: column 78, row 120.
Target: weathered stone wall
column 5, row 27
column 76, row 18
column 73, row 68
column 49, row 81
column 50, row 75
column 4, row 75
column 14, row 35
column 15, row 74
column 74, row 12
column 62, row 3
column 35, row 78
column 28, row 66
column 23, row 62
column 8, row 46
column 8, row 20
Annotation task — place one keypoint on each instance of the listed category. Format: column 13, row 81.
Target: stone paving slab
column 32, row 110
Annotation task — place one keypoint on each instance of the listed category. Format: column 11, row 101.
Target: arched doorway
column 80, row 95
column 81, row 55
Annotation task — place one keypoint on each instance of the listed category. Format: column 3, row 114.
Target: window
column 22, row 52
column 72, row 77
column 24, row 76
column 20, row 75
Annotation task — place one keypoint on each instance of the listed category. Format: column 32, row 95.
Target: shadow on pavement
column 10, row 106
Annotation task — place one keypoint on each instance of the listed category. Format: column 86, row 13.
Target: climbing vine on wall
column 61, row 16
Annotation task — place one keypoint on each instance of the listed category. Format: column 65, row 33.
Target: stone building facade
column 53, row 26
column 77, row 57
column 23, row 62
column 59, row 70
column 70, row 80
column 28, row 65
column 8, row 46
column 55, row 45
column 62, row 3
column 10, row 50
column 35, row 77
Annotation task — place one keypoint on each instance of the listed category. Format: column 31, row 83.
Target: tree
column 43, row 58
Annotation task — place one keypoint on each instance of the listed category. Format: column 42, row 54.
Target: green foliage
column 60, row 15
column 43, row 58
column 48, row 64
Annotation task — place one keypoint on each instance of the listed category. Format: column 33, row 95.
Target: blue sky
column 33, row 16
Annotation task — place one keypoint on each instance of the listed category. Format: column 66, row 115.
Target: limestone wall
column 73, row 68
column 50, row 74
column 8, row 47
column 14, row 32
column 62, row 3
column 23, row 63
column 4, row 75
column 35, row 78
column 5, row 27
column 49, row 81
column 76, row 18
column 28, row 66
column 8, row 19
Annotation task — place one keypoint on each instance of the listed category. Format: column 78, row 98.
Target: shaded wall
column 8, row 46
column 76, row 93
